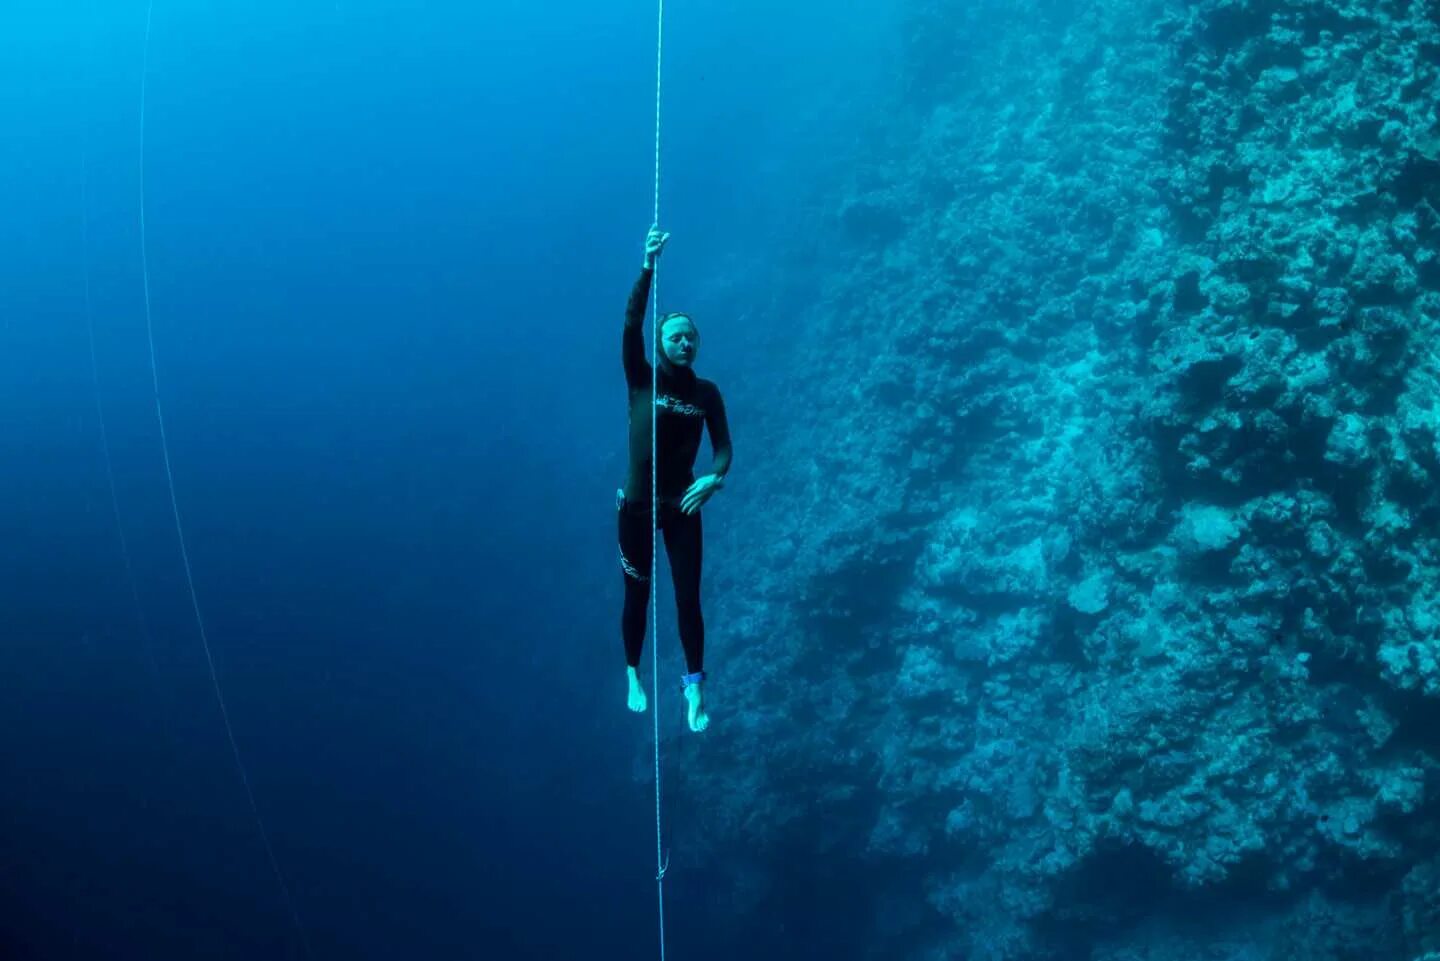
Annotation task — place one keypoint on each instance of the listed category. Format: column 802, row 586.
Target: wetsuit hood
column 680, row 377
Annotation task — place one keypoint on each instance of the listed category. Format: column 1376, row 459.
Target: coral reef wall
column 1083, row 595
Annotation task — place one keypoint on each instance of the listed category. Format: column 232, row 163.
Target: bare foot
column 699, row 720
column 637, row 700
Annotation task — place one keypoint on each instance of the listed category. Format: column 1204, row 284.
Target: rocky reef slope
column 1097, row 611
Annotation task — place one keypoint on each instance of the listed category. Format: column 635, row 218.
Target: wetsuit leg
column 635, row 563
column 684, row 543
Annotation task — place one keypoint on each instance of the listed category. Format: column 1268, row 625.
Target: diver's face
column 680, row 341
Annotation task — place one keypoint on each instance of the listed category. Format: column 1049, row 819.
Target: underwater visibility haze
column 1070, row 595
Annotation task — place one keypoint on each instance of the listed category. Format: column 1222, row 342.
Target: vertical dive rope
column 661, row 863
column 179, row 528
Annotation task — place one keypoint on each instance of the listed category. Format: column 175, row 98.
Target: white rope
column 179, row 528
column 661, row 862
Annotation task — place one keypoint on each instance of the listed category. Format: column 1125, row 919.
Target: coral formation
column 1104, row 595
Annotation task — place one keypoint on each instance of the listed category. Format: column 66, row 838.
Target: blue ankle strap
column 695, row 678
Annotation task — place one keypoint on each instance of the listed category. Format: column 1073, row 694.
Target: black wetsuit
column 687, row 405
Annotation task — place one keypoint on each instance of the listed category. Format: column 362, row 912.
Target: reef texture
column 1097, row 615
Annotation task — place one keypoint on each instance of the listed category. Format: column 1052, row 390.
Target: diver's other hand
column 654, row 243
column 700, row 492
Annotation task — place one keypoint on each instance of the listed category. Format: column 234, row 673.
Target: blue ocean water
column 1072, row 596
column 388, row 247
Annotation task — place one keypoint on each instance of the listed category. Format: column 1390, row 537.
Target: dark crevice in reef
column 1385, row 569
column 843, row 602
column 1116, row 884
column 1067, row 637
column 1417, row 495
column 1429, row 274
column 1188, row 298
column 1121, row 886
column 1321, row 18
column 1347, row 490
column 1202, row 383
column 1231, row 25
column 1192, row 221
column 1419, row 180
column 1418, row 723
column 1342, row 660
column 1286, row 460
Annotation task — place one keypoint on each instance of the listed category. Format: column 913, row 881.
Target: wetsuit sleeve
column 719, row 428
column 632, row 347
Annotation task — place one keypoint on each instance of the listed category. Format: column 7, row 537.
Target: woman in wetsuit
column 686, row 404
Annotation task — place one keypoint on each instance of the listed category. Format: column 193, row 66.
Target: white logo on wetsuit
column 630, row 569
column 677, row 406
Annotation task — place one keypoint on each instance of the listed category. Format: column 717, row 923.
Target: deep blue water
column 388, row 247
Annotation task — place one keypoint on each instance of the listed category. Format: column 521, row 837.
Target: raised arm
column 632, row 344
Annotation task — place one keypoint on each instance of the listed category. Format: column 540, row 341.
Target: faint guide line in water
column 145, row 637
column 175, row 509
